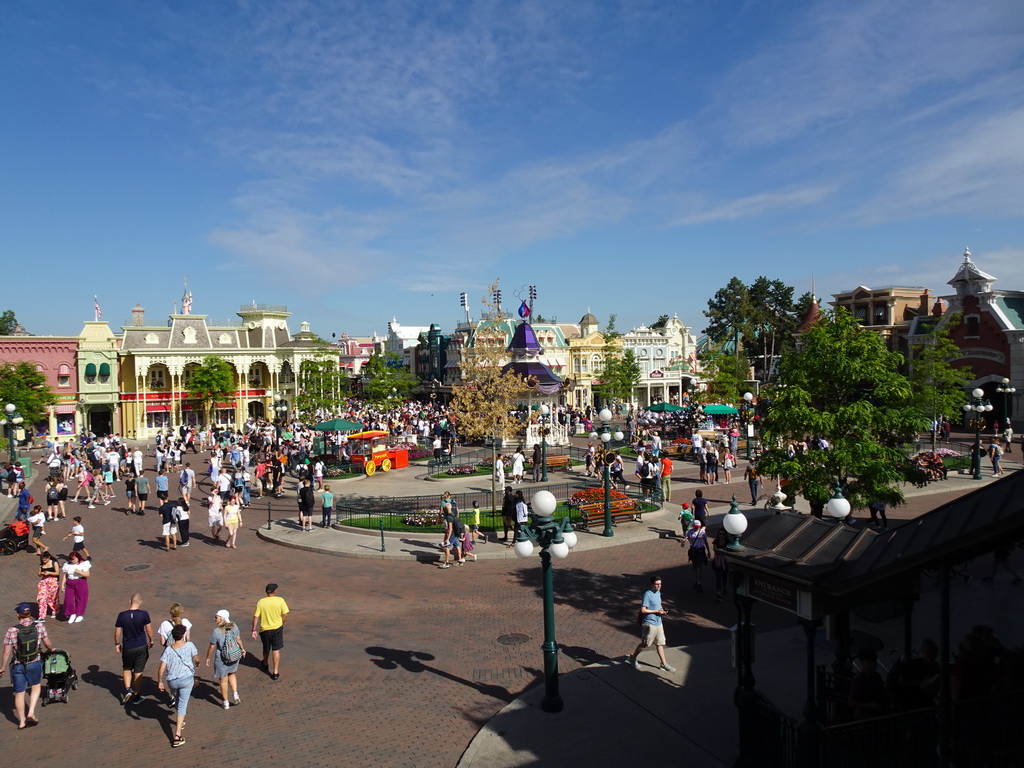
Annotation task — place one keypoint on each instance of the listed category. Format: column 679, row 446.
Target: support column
column 944, row 710
column 745, row 696
column 809, row 745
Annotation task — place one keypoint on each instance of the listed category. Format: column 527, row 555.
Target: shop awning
column 65, row 408
column 157, row 408
column 90, row 369
column 104, row 369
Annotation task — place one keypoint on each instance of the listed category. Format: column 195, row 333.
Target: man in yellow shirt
column 271, row 614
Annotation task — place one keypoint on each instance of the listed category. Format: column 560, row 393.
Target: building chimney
column 937, row 308
column 138, row 316
column 925, row 301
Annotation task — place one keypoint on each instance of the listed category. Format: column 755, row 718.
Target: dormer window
column 972, row 324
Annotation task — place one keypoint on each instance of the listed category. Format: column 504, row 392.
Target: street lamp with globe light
column 838, row 506
column 544, row 411
column 748, row 398
column 12, row 421
column 1006, row 389
column 606, row 437
column 555, row 540
column 977, row 406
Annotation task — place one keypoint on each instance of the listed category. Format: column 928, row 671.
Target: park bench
column 622, row 509
column 558, row 462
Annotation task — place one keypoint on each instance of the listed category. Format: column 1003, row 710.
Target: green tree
column 726, row 374
column 386, row 380
column 8, row 322
column 939, row 389
column 661, row 322
column 211, row 382
column 771, row 324
column 25, row 387
column 320, row 383
column 620, row 376
column 842, row 385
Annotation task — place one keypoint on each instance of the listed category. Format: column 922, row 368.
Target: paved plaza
column 391, row 661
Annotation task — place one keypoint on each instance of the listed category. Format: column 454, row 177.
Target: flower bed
column 421, row 518
column 419, row 454
column 462, row 470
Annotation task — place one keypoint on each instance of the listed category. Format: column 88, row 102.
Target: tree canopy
column 939, row 388
column 211, row 382
column 842, row 385
column 386, row 380
column 8, row 322
column 25, row 387
column 320, row 383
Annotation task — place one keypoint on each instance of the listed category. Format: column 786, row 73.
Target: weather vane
column 526, row 292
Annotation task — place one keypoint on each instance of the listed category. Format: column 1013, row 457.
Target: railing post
column 382, row 548
column 268, row 515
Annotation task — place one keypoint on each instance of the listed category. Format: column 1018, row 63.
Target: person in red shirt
column 666, row 478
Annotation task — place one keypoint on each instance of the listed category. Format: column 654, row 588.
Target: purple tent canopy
column 524, row 342
column 547, row 382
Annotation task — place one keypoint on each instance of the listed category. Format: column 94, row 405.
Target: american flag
column 96, row 306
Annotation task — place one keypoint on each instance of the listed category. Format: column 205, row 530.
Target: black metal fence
column 393, row 511
column 484, row 456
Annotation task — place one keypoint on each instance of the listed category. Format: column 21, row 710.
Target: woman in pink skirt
column 49, row 586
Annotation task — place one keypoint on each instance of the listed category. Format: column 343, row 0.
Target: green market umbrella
column 664, row 408
column 720, row 410
column 337, row 425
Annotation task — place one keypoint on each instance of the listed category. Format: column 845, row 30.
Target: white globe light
column 10, row 408
column 735, row 523
column 544, row 503
column 838, row 507
column 605, row 437
column 978, row 393
column 618, row 436
column 747, row 396
column 968, row 407
column 988, row 407
column 524, row 548
column 593, row 435
column 544, row 410
column 559, row 550
column 571, row 539
column 605, row 415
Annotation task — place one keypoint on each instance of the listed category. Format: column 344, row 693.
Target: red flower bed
column 592, row 495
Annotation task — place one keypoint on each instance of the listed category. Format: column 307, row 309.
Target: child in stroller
column 61, row 677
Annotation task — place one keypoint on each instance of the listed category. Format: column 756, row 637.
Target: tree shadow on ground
column 414, row 662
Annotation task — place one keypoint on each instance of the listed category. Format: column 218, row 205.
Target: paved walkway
column 398, row 663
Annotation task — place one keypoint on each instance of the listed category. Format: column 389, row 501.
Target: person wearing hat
column 223, row 640
column 21, row 650
column 698, row 552
column 270, row 616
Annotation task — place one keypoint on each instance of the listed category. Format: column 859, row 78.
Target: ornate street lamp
column 977, row 406
column 544, row 411
column 735, row 523
column 555, row 540
column 606, row 416
column 838, row 507
column 13, row 420
column 1006, row 389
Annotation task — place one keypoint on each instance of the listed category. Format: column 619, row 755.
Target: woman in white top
column 164, row 630
column 518, row 462
column 74, row 580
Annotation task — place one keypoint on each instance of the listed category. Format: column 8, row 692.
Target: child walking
column 78, row 531
column 474, row 526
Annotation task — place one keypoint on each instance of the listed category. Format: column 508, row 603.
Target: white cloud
column 757, row 205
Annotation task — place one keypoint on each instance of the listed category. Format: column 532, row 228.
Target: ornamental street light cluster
column 1006, row 389
column 545, row 412
column 748, row 421
column 606, row 437
column 555, row 539
column 11, row 422
column 978, row 406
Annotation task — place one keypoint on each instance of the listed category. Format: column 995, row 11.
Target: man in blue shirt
column 653, row 631
column 24, row 502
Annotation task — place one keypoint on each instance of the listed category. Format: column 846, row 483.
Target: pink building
column 56, row 357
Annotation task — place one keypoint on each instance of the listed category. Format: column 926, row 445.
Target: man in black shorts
column 133, row 638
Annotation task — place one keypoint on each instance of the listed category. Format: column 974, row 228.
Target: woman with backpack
column 227, row 651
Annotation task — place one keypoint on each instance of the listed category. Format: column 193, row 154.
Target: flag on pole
column 96, row 306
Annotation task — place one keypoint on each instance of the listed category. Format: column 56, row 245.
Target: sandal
column 178, row 741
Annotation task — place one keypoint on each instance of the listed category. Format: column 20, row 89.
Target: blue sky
column 367, row 159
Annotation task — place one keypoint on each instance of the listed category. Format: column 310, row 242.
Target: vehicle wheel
column 370, row 468
column 8, row 547
column 74, row 685
column 385, row 465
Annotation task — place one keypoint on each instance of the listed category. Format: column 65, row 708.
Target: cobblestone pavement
column 387, row 663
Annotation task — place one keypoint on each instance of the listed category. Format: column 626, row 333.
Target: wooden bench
column 622, row 509
column 558, row 462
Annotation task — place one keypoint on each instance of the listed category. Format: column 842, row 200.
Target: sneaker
column 91, row 506
column 633, row 662
column 72, row 617
column 139, row 699
column 78, row 619
column 126, row 696
column 227, row 704
column 666, row 668
column 237, row 701
column 178, row 741
column 185, row 544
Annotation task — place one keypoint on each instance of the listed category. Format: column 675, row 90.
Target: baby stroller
column 61, row 677
column 13, row 537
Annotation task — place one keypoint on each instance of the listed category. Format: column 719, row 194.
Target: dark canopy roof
column 838, row 559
